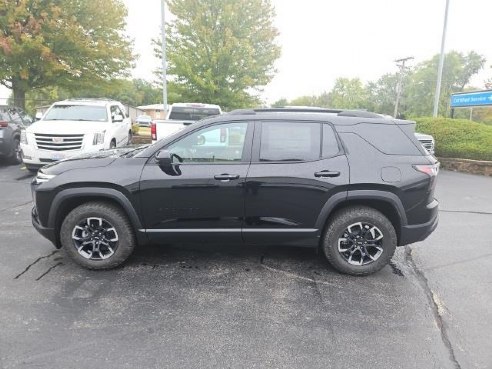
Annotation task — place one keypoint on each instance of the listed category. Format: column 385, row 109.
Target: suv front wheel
column 359, row 241
column 97, row 235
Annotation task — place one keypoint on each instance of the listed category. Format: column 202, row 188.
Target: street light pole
column 399, row 86
column 164, row 62
column 437, row 95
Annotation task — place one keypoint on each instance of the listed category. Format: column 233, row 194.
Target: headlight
column 98, row 138
column 43, row 177
column 23, row 138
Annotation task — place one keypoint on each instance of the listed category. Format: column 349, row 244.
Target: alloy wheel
column 361, row 243
column 95, row 238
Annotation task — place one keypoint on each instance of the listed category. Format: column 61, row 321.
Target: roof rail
column 288, row 109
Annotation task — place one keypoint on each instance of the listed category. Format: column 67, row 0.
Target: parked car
column 73, row 127
column 427, row 141
column 351, row 183
column 144, row 120
column 181, row 115
column 13, row 122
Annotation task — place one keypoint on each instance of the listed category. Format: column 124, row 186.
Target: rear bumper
column 419, row 232
column 48, row 233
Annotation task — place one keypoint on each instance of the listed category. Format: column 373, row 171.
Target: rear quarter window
column 387, row 138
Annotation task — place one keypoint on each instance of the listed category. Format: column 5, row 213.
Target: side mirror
column 118, row 118
column 39, row 115
column 164, row 159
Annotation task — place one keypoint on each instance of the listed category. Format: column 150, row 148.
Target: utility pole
column 399, row 87
column 437, row 95
column 164, row 61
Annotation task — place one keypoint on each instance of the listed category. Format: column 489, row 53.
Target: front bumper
column 32, row 156
column 48, row 233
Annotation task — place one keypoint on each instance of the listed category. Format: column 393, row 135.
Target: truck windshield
column 77, row 113
column 192, row 113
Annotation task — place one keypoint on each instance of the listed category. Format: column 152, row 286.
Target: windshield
column 77, row 113
column 185, row 113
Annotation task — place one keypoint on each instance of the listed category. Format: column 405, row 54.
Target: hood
column 66, row 127
column 423, row 136
column 87, row 160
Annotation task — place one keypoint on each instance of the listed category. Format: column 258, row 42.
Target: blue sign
column 479, row 98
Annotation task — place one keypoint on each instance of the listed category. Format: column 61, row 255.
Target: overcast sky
column 325, row 39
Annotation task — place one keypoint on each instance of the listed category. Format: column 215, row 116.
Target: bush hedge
column 458, row 138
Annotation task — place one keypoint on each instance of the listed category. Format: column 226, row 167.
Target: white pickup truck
column 181, row 115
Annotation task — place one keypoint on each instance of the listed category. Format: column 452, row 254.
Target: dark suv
column 12, row 122
column 352, row 183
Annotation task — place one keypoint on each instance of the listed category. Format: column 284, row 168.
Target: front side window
column 115, row 110
column 75, row 113
column 290, row 141
column 223, row 143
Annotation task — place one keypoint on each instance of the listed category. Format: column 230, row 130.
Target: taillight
column 4, row 123
column 153, row 131
column 429, row 169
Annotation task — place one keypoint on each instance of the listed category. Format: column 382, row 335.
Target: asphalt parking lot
column 222, row 307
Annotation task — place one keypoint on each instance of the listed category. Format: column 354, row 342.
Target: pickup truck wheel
column 359, row 241
column 97, row 235
column 112, row 145
column 130, row 138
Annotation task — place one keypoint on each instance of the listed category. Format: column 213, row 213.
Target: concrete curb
column 480, row 167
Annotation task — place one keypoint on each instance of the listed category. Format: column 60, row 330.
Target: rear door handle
column 226, row 177
column 327, row 173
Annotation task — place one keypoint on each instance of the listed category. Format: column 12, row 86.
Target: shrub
column 458, row 138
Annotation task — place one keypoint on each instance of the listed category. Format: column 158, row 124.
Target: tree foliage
column 69, row 43
column 221, row 51
column 419, row 85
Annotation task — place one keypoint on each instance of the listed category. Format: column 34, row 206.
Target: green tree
column 349, row 94
column 458, row 69
column 221, row 51
column 66, row 43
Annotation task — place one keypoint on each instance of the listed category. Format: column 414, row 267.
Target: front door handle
column 226, row 177
column 327, row 173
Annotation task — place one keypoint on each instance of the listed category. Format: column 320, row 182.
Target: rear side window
column 290, row 141
column 330, row 143
column 387, row 138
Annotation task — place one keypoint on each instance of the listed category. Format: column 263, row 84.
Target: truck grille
column 428, row 145
column 55, row 142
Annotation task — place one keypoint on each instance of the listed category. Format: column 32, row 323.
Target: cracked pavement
column 218, row 306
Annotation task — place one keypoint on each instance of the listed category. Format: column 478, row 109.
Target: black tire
column 15, row 156
column 130, row 138
column 112, row 145
column 337, row 229
column 111, row 214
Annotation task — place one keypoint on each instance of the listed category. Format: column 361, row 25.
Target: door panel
column 296, row 168
column 202, row 197
column 283, row 201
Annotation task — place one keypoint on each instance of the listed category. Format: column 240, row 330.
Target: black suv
column 12, row 122
column 352, row 183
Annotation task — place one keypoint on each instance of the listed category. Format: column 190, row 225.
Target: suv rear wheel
column 16, row 154
column 97, row 235
column 359, row 241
